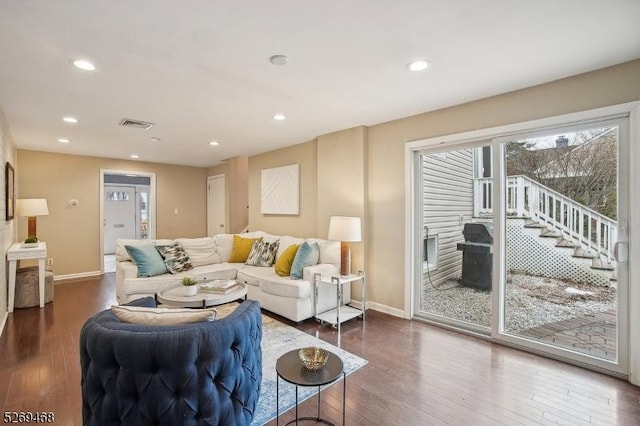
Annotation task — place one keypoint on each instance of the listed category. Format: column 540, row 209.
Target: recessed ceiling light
column 63, row 140
column 84, row 64
column 279, row 117
column 134, row 156
column 155, row 139
column 279, row 60
column 419, row 65
column 70, row 120
column 214, row 143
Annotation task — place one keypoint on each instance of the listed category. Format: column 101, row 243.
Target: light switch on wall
column 175, row 211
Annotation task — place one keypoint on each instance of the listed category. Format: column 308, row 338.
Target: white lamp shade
column 344, row 228
column 32, row 207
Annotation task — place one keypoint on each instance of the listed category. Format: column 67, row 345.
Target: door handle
column 620, row 251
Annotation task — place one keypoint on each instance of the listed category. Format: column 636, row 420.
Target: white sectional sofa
column 291, row 298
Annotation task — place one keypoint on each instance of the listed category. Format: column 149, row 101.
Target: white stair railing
column 575, row 222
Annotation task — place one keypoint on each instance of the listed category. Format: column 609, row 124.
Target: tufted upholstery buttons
column 193, row 374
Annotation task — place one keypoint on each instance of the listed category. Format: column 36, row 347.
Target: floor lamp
column 346, row 230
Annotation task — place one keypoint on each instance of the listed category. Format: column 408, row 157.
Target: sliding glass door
column 522, row 238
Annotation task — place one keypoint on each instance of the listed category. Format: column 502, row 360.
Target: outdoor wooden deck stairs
column 579, row 252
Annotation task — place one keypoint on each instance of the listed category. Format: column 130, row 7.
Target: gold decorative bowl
column 313, row 358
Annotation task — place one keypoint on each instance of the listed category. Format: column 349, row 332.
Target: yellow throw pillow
column 241, row 249
column 284, row 262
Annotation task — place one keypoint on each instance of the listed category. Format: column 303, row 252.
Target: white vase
column 189, row 290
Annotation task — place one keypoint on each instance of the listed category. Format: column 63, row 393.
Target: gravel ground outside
column 530, row 301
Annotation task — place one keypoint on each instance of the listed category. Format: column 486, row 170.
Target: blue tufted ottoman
column 205, row 373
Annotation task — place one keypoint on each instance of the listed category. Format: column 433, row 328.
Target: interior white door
column 119, row 215
column 216, row 205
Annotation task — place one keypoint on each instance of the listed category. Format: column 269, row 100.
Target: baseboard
column 378, row 307
column 4, row 321
column 90, row 274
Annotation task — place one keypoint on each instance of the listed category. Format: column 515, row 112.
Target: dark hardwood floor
column 417, row 374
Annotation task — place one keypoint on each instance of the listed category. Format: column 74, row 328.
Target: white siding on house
column 447, row 204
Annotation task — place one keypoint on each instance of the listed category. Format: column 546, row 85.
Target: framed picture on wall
column 9, row 190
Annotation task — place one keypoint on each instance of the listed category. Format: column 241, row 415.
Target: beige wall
column 7, row 227
column 386, row 145
column 73, row 233
column 303, row 224
column 341, row 183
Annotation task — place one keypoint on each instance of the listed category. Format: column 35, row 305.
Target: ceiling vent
column 136, row 124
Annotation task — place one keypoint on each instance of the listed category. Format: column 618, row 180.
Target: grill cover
column 478, row 233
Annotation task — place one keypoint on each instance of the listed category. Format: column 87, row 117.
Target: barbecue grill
column 477, row 257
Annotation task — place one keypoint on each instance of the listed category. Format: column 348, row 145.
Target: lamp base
column 31, row 226
column 345, row 258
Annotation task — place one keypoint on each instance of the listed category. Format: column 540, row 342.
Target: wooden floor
column 417, row 374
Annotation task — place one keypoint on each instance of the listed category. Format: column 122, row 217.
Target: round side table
column 290, row 369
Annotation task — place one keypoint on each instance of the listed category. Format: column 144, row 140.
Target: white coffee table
column 173, row 297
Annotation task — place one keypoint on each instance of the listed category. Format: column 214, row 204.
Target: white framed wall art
column 280, row 190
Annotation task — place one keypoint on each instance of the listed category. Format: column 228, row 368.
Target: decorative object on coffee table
column 345, row 229
column 189, row 286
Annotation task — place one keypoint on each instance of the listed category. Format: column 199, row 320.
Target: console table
column 15, row 253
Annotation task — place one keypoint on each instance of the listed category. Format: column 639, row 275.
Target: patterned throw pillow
column 263, row 253
column 175, row 258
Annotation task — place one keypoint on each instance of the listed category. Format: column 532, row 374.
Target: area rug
column 278, row 339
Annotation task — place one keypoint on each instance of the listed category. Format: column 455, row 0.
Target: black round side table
column 290, row 369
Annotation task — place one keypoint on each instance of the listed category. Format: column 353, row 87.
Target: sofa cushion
column 224, row 246
column 241, row 249
column 147, row 259
column 262, row 253
column 329, row 250
column 284, row 262
column 286, row 242
column 175, row 258
column 251, row 275
column 162, row 316
column 307, row 255
column 201, row 251
column 272, row 283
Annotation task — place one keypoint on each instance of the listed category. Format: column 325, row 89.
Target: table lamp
column 32, row 207
column 346, row 230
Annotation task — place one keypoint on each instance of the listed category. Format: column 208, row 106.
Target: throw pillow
column 147, row 259
column 201, row 251
column 262, row 253
column 162, row 316
column 307, row 255
column 284, row 262
column 241, row 248
column 175, row 258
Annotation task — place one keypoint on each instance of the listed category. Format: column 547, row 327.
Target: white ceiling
column 200, row 69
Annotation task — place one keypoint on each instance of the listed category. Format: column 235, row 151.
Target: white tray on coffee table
column 174, row 297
